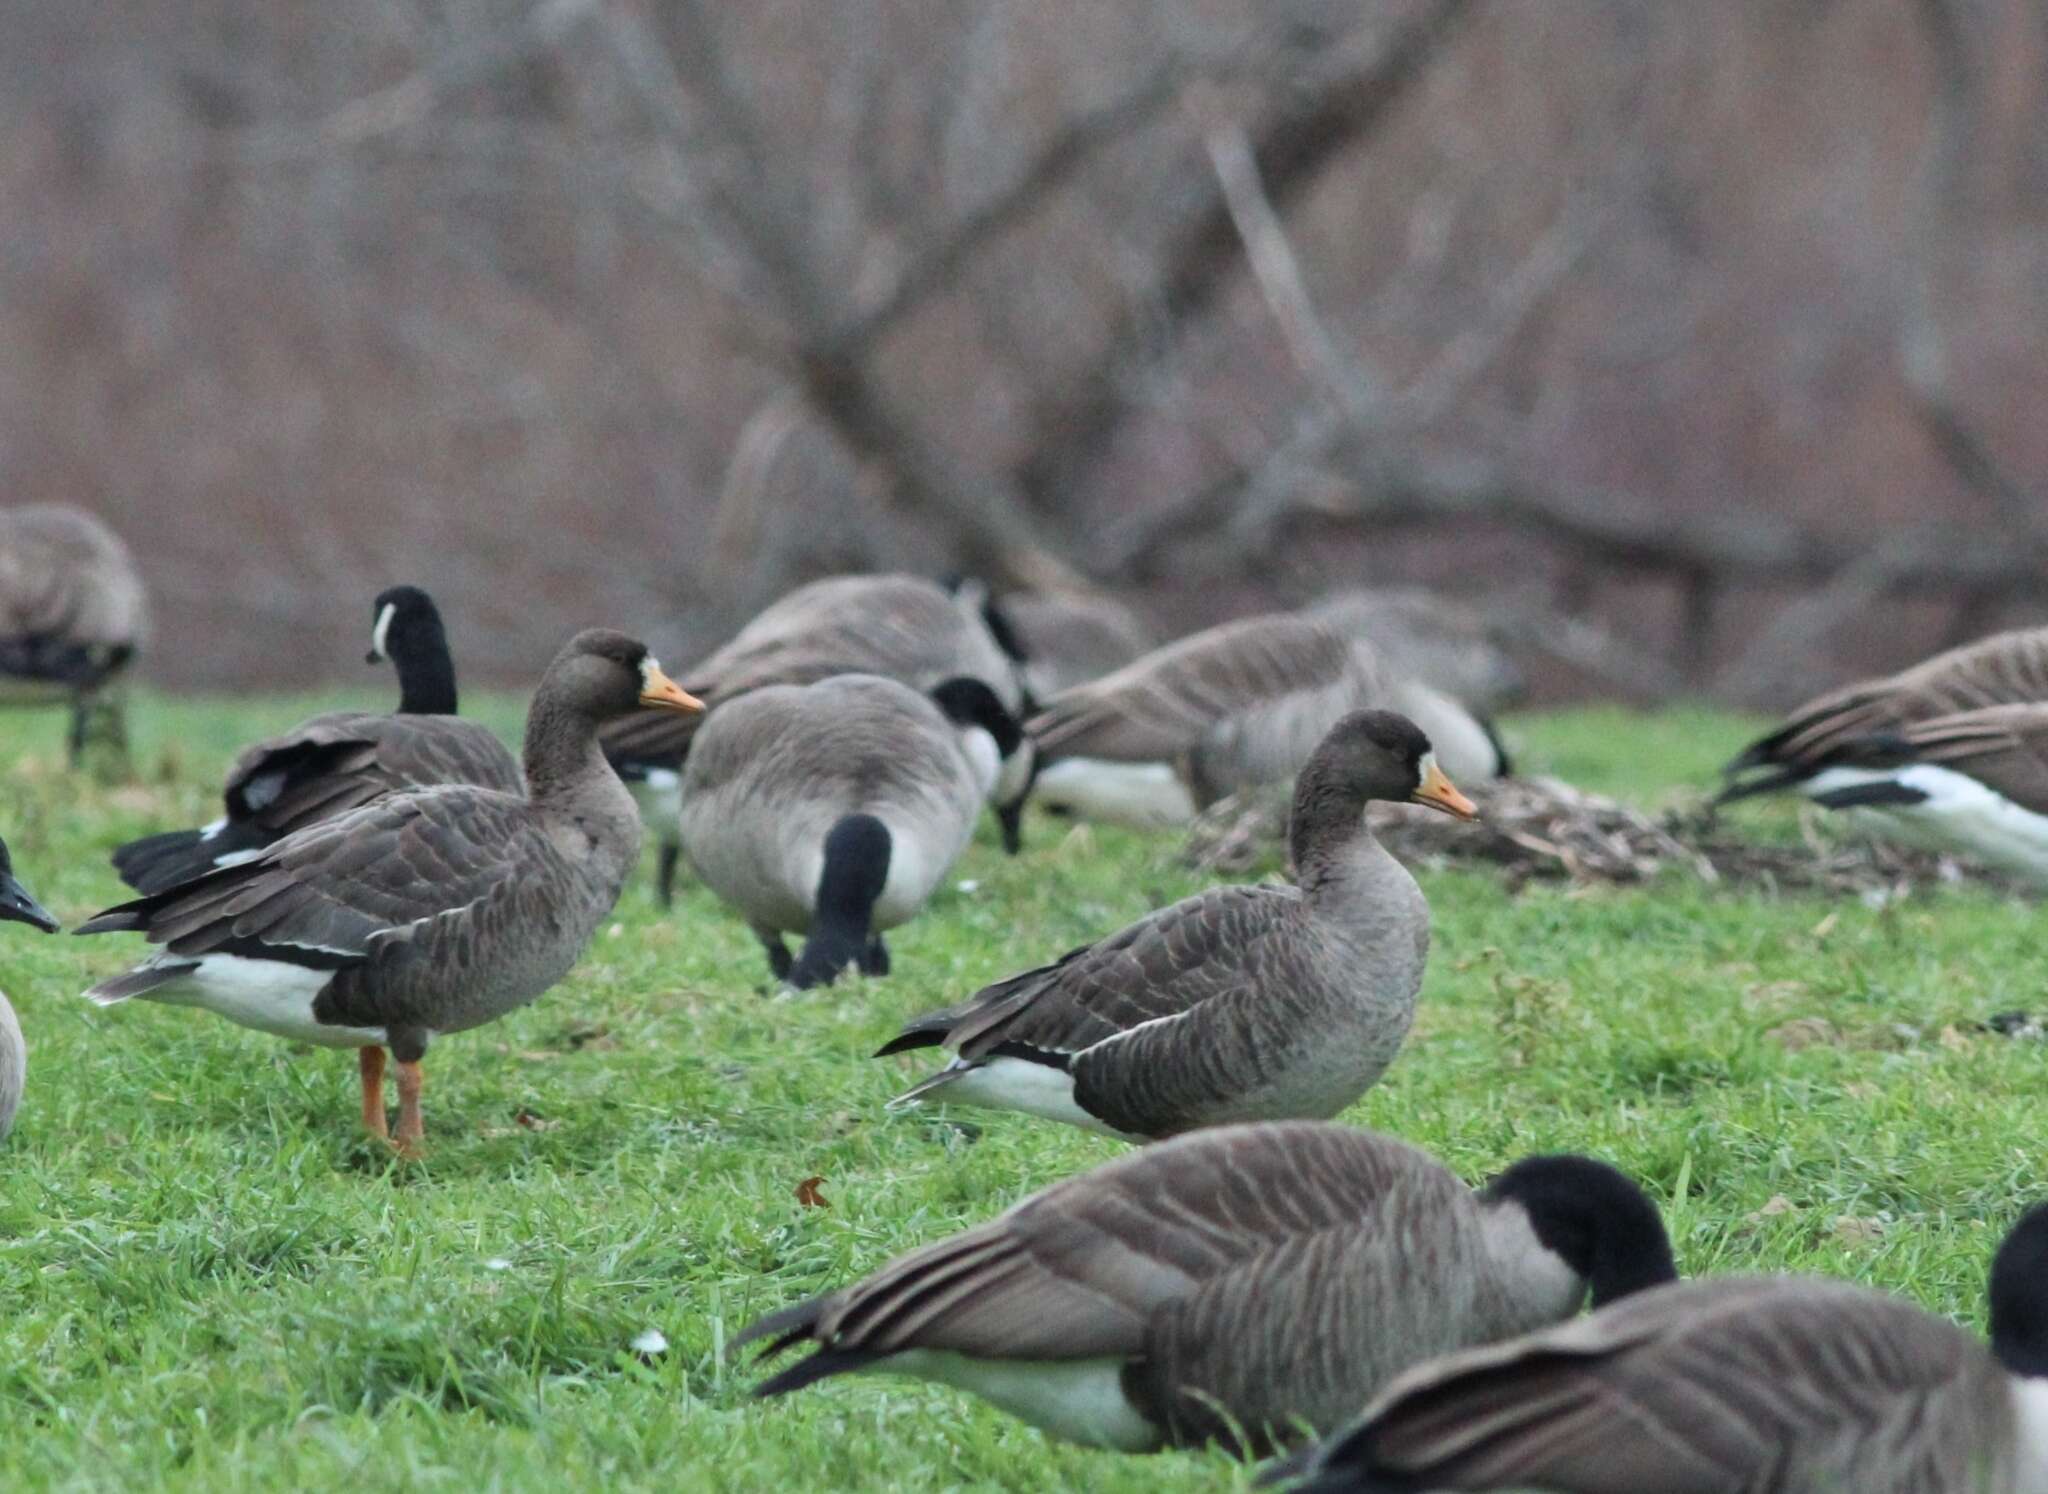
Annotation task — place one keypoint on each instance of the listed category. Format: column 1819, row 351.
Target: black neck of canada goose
column 406, row 628
column 2019, row 1297
column 1594, row 1218
column 856, row 869
column 1367, row 755
column 965, row 701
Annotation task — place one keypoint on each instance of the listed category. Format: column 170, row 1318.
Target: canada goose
column 833, row 809
column 1068, row 640
column 1232, row 1284
column 1235, row 705
column 73, row 613
column 2004, row 669
column 341, row 759
column 17, row 905
column 427, row 911
column 1240, row 1003
column 1789, row 1384
column 902, row 627
column 1440, row 640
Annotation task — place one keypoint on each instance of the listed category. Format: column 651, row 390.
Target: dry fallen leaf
column 808, row 1195
column 1805, row 1032
column 1851, row 1230
column 1777, row 1204
column 534, row 1122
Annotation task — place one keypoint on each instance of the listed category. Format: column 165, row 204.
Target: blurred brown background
column 1703, row 342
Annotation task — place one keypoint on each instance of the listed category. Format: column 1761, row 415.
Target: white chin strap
column 382, row 631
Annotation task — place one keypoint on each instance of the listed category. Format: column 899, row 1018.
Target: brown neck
column 1328, row 821
column 561, row 750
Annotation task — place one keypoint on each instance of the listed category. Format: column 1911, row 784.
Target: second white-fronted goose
column 1785, row 1385
column 73, row 613
column 1232, row 706
column 902, row 627
column 832, row 810
column 1232, row 1285
column 2004, row 669
column 424, row 912
column 1240, row 1003
column 18, row 906
column 341, row 759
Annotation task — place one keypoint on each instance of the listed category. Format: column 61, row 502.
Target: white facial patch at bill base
column 381, row 633
column 650, row 670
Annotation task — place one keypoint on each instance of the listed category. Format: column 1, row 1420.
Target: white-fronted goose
column 832, row 810
column 1446, row 643
column 73, row 613
column 1236, row 705
column 341, row 759
column 902, row 627
column 1759, row 1385
column 2004, row 669
column 1240, row 1003
column 1231, row 1285
column 427, row 911
column 18, row 906
column 1066, row 639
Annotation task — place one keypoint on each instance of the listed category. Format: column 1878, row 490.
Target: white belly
column 1146, row 795
column 13, row 1066
column 1959, row 814
column 1021, row 1085
column 1078, row 1400
column 268, row 995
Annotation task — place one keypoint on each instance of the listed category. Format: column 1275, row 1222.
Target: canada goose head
column 601, row 674
column 405, row 627
column 1005, row 756
column 2019, row 1297
column 15, row 903
column 1592, row 1217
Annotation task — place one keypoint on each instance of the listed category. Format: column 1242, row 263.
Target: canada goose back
column 1069, row 640
column 1230, row 1285
column 72, row 605
column 776, row 770
column 1441, row 640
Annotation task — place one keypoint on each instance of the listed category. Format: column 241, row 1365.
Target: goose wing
column 1166, row 703
column 2005, row 748
column 1081, row 1270
column 338, row 761
column 1696, row 1388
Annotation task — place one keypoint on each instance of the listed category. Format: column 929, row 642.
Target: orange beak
column 664, row 694
column 1438, row 792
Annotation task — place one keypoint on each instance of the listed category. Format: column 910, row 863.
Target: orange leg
column 371, row 1059
column 412, row 1135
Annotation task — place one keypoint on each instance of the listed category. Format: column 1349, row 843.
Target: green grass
column 208, row 1280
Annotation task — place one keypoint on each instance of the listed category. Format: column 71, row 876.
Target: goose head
column 601, row 674
column 1590, row 1217
column 405, row 627
column 1003, row 753
column 15, row 902
column 1382, row 755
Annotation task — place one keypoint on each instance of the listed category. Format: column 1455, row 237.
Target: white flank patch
column 1019, row 1084
column 1147, row 795
column 212, row 828
column 983, row 758
column 269, row 995
column 382, row 631
column 2030, row 1434
column 1959, row 814
column 236, row 858
column 1080, row 1400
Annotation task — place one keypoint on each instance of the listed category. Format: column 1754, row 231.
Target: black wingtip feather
column 821, row 1365
column 912, row 1038
column 785, row 1327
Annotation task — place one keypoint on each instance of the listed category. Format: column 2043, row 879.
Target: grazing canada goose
column 1239, row 1003
column 902, row 627
column 1067, row 640
column 2004, row 669
column 1440, row 640
column 1232, row 1284
column 341, row 759
column 833, row 809
column 1789, row 1385
column 17, row 905
column 427, row 911
column 73, row 613
column 1236, row 705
